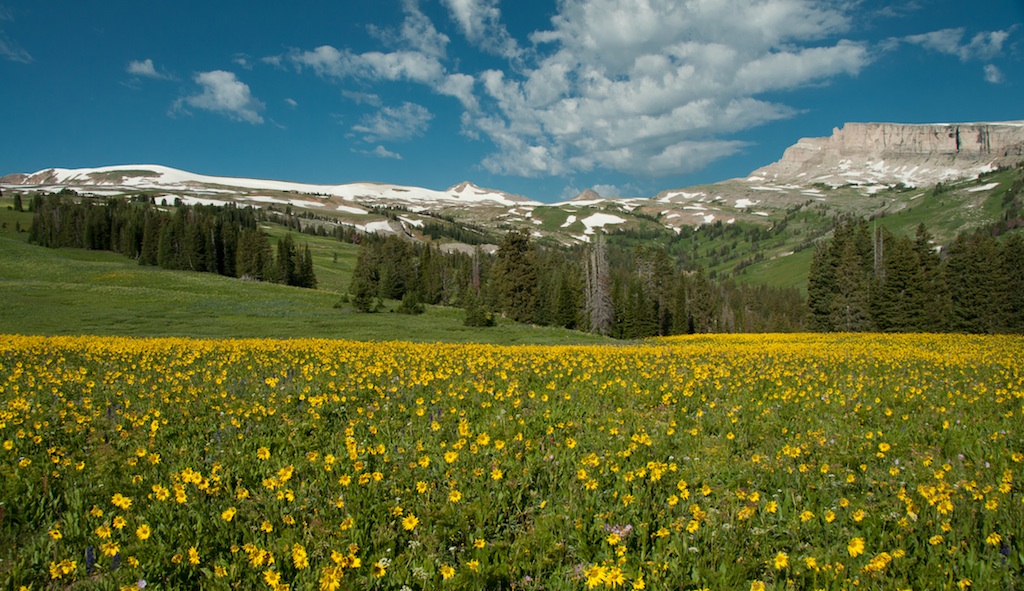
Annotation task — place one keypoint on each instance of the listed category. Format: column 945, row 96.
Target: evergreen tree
column 972, row 273
column 934, row 294
column 396, row 268
column 704, row 305
column 286, row 270
column 515, row 276
column 306, row 276
column 821, row 286
column 899, row 299
column 850, row 302
column 149, row 254
column 255, row 258
column 1012, row 258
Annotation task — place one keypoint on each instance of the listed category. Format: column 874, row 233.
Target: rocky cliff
column 890, row 153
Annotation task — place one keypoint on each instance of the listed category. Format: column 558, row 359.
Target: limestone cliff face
column 886, row 153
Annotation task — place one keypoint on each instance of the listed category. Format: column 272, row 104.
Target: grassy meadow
column 719, row 462
column 74, row 292
column 169, row 430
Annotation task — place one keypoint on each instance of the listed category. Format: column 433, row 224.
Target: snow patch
column 682, row 194
column 381, row 226
column 353, row 210
column 569, row 221
column 599, row 220
column 987, row 187
column 189, row 200
column 745, row 203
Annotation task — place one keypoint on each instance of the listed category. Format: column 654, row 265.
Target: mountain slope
column 737, row 226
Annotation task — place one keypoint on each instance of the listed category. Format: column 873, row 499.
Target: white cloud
column 649, row 87
column 145, row 69
column 362, row 98
column 330, row 62
column 383, row 152
column 395, row 123
column 419, row 32
column 10, row 49
column 459, row 86
column 993, row 74
column 223, row 93
column 291, row 102
column 983, row 46
column 480, row 22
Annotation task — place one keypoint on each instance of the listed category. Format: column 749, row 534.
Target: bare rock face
column 890, row 153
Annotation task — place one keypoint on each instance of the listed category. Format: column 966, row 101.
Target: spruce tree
column 821, row 287
column 515, row 276
column 286, row 260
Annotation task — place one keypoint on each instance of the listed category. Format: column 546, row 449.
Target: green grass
column 70, row 292
column 787, row 271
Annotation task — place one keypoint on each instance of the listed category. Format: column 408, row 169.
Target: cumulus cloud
column 648, row 87
column 330, row 62
column 394, row 123
column 419, row 33
column 225, row 94
column 480, row 22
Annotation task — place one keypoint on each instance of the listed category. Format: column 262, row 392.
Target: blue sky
column 543, row 98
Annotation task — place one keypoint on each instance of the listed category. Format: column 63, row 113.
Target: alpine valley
column 951, row 177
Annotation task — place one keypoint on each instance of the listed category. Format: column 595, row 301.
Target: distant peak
column 588, row 195
column 463, row 186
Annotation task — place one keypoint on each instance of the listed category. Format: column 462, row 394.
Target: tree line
column 865, row 279
column 621, row 292
column 218, row 239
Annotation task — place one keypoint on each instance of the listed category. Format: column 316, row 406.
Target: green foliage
column 476, row 314
column 890, row 283
column 516, row 277
column 411, row 304
column 73, row 291
column 208, row 239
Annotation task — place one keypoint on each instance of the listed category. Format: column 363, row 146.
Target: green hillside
column 72, row 292
column 68, row 291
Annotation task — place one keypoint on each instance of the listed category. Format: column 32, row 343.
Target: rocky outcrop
column 889, row 153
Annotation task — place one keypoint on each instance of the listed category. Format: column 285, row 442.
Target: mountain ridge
column 861, row 169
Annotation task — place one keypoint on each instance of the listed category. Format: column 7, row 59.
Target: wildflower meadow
column 757, row 462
